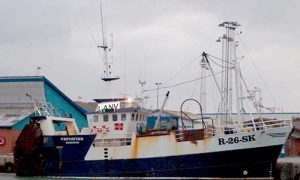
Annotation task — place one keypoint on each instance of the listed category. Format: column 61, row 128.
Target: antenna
column 38, row 69
column 142, row 83
column 125, row 75
column 107, row 75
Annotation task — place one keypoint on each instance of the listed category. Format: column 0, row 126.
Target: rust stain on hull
column 135, row 148
column 149, row 146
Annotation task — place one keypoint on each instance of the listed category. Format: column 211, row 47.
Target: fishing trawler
column 118, row 142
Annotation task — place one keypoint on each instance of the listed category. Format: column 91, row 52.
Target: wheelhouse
column 118, row 122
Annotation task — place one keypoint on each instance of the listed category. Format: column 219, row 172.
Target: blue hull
column 256, row 162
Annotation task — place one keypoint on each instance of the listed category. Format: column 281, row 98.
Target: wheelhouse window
column 95, row 118
column 115, row 117
column 136, row 117
column 105, row 118
column 123, row 117
column 132, row 117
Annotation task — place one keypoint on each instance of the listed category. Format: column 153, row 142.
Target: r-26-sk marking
column 235, row 140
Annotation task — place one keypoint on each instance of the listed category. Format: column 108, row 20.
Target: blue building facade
column 166, row 121
column 16, row 106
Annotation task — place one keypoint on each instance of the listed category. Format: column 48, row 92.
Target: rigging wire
column 193, row 92
column 220, row 59
column 150, row 97
column 93, row 36
column 95, row 41
column 214, row 96
column 184, row 82
column 181, row 70
column 217, row 63
column 259, row 73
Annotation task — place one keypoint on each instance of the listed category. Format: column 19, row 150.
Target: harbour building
column 19, row 95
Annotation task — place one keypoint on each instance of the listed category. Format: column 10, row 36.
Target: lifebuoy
column 104, row 129
column 95, row 130
column 2, row 141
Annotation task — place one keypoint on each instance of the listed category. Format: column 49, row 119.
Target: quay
column 289, row 168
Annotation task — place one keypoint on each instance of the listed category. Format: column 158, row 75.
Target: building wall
column 64, row 106
column 10, row 136
column 13, row 92
column 292, row 146
column 21, row 124
column 151, row 120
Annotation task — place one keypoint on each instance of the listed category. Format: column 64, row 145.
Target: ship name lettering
column 235, row 140
column 71, row 138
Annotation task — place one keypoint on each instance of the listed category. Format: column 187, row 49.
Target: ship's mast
column 204, row 69
column 230, row 64
column 107, row 75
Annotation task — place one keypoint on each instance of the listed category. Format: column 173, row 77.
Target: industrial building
column 18, row 94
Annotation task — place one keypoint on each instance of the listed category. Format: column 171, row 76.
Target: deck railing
column 246, row 127
column 113, row 140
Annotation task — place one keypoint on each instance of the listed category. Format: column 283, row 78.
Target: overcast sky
column 153, row 41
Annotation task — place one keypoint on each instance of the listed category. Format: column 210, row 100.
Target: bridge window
column 132, row 117
column 95, row 118
column 115, row 117
column 123, row 117
column 136, row 117
column 105, row 118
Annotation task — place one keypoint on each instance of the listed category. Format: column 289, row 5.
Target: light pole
column 157, row 84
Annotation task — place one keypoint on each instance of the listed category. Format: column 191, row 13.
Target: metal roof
column 15, row 105
column 109, row 100
column 11, row 116
column 16, row 93
column 11, row 79
column 88, row 106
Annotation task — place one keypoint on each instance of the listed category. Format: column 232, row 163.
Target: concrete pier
column 289, row 168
